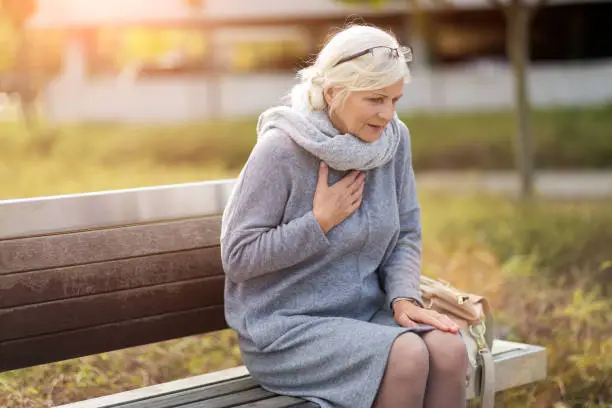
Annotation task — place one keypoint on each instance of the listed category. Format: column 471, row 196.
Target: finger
column 358, row 181
column 445, row 320
column 430, row 318
column 356, row 200
column 405, row 321
column 449, row 322
column 349, row 179
column 357, row 184
column 323, row 176
column 357, row 193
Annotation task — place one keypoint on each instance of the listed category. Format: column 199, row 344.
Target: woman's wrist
column 397, row 300
column 322, row 223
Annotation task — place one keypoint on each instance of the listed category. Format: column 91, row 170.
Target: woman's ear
column 329, row 94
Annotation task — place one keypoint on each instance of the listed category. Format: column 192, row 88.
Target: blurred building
column 179, row 60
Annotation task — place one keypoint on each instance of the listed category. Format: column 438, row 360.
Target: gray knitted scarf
column 316, row 133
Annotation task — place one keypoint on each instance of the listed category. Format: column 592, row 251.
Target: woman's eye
column 376, row 100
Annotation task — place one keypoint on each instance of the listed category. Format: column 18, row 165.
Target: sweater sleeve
column 401, row 272
column 254, row 240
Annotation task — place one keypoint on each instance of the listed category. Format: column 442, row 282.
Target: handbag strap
column 487, row 379
column 487, row 372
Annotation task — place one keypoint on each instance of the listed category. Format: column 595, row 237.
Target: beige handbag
column 472, row 314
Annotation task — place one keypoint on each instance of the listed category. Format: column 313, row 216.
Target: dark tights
column 424, row 371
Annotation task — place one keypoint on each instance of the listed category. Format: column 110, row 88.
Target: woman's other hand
column 334, row 204
column 407, row 314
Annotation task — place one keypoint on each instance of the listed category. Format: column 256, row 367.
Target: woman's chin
column 370, row 135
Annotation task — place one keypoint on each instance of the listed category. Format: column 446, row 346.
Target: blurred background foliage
column 89, row 157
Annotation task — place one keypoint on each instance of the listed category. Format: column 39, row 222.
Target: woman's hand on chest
column 334, row 204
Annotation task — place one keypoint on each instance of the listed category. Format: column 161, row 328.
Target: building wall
column 67, row 13
column 71, row 13
column 176, row 99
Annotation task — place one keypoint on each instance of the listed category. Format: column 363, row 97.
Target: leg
column 403, row 385
column 448, row 364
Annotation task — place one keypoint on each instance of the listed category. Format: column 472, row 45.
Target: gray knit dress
column 312, row 311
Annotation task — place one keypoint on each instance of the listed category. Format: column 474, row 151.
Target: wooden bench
column 89, row 273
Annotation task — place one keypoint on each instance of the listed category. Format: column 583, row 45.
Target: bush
column 548, row 272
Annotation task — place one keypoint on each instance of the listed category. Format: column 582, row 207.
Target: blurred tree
column 195, row 4
column 7, row 47
column 214, row 87
column 519, row 14
column 17, row 12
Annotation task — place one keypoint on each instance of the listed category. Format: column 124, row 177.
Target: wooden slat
column 108, row 244
column 46, row 285
column 87, row 311
column 60, row 346
column 176, row 387
column 280, row 401
column 194, row 395
column 232, row 400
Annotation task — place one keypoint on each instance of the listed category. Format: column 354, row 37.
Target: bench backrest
column 85, row 274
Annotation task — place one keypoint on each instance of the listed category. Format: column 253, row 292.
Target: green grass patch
column 66, row 159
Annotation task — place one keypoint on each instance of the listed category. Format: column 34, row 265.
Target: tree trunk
column 417, row 25
column 24, row 85
column 518, row 19
column 214, row 100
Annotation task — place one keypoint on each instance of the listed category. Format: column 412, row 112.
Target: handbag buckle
column 478, row 331
column 461, row 299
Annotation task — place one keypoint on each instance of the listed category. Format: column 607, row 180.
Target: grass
column 546, row 267
column 69, row 159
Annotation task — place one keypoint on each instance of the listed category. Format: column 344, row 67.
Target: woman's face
column 365, row 114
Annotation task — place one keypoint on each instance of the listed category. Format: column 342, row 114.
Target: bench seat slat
column 176, row 387
column 280, row 401
column 98, row 339
column 79, row 248
column 87, row 311
column 231, row 400
column 175, row 399
column 46, row 285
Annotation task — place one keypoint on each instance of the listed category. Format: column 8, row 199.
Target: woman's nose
column 387, row 112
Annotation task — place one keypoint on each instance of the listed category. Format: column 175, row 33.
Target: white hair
column 360, row 74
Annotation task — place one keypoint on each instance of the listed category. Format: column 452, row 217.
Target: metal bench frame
column 63, row 259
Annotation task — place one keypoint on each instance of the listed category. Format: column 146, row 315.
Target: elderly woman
column 321, row 243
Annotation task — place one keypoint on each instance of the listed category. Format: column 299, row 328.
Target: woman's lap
column 336, row 362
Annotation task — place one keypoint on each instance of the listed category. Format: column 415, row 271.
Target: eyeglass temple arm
column 352, row 57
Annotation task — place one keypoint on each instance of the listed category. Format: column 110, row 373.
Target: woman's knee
column 409, row 357
column 447, row 352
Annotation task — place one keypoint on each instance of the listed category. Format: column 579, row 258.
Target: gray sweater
column 281, row 269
